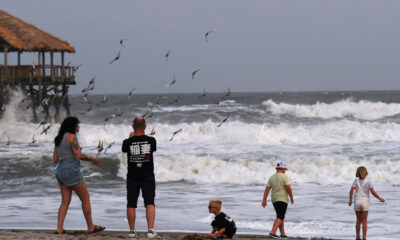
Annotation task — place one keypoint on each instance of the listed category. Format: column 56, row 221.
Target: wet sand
column 108, row 235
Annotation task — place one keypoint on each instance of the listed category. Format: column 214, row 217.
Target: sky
column 255, row 46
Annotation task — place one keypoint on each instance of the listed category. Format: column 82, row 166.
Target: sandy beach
column 81, row 235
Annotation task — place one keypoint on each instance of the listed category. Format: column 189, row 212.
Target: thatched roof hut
column 18, row 36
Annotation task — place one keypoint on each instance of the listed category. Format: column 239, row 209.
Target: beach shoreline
column 108, row 235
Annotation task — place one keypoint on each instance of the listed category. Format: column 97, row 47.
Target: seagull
column 222, row 122
column 228, row 92
column 45, row 101
column 175, row 101
column 105, row 99
column 91, row 83
column 33, row 139
column 42, row 123
column 121, row 42
column 88, row 110
column 33, row 69
column 8, row 141
column 99, row 148
column 167, row 54
column 130, row 94
column 109, row 145
column 152, row 132
column 172, row 83
column 116, row 58
column 206, row 35
column 46, row 129
column 84, row 97
column 176, row 132
column 149, row 113
column 3, row 108
column 204, row 93
column 119, row 114
column 194, row 72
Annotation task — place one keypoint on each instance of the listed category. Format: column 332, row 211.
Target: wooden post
column 19, row 69
column 62, row 67
column 65, row 100
column 52, row 66
column 39, row 79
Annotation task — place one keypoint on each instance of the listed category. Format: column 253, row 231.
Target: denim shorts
column 68, row 172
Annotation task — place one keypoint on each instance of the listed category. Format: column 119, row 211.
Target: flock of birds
column 86, row 99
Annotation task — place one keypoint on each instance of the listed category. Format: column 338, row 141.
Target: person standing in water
column 67, row 155
column 139, row 148
column 361, row 199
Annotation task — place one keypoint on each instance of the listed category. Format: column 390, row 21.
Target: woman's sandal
column 96, row 229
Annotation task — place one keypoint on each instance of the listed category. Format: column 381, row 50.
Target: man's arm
column 125, row 146
column 289, row 191
column 266, row 192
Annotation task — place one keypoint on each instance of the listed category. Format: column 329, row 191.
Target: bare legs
column 66, row 193
column 362, row 217
column 279, row 223
column 150, row 216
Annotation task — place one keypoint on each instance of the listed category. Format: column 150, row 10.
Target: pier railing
column 40, row 74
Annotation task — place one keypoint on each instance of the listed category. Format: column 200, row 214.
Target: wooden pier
column 43, row 82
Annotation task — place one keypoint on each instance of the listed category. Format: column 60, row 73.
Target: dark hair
column 139, row 122
column 67, row 126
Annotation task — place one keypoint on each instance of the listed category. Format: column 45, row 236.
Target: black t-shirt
column 224, row 221
column 140, row 156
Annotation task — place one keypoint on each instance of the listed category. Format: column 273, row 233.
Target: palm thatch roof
column 18, row 35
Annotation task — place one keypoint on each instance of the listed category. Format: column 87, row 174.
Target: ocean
column 322, row 136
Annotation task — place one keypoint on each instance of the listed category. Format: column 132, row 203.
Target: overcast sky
column 258, row 46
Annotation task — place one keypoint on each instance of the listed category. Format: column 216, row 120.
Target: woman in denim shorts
column 67, row 155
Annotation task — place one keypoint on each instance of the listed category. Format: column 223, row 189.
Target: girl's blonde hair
column 361, row 172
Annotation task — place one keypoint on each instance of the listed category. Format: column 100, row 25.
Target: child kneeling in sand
column 223, row 225
column 361, row 199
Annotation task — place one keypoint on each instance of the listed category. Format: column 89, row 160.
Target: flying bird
column 152, row 132
column 99, row 148
column 42, row 123
column 116, row 58
column 194, row 73
column 105, row 99
column 109, row 146
column 167, row 54
column 204, row 93
column 33, row 69
column 118, row 114
column 222, row 122
column 149, row 113
column 46, row 129
column 206, row 35
column 91, row 83
column 130, row 94
column 228, row 92
column 176, row 100
column 176, row 132
column 33, row 139
column 121, row 42
column 172, row 83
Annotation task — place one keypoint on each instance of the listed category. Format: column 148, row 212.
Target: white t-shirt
column 368, row 185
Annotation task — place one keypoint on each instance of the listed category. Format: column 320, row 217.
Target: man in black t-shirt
column 223, row 225
column 139, row 148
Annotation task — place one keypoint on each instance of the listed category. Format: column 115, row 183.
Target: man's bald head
column 139, row 123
